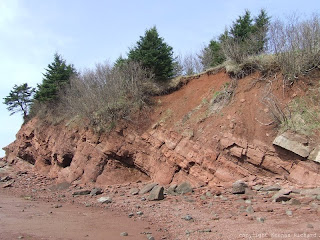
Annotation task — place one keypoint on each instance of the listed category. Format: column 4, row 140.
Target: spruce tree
column 247, row 36
column 19, row 99
column 260, row 29
column 242, row 27
column 154, row 54
column 56, row 77
column 212, row 55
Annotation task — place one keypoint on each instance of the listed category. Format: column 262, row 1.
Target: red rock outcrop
column 165, row 156
column 182, row 144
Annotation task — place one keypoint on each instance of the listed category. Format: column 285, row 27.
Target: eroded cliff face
column 164, row 156
column 179, row 144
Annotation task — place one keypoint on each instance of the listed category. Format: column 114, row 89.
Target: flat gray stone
column 250, row 209
column 171, row 189
column 311, row 191
column 271, row 188
column 105, row 200
column 156, row 193
column 294, row 143
column 82, row 192
column 184, row 188
column 134, row 191
column 315, row 155
column 187, row 218
column 147, row 188
column 239, row 187
column 96, row 191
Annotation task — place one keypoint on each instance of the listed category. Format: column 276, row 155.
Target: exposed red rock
column 177, row 143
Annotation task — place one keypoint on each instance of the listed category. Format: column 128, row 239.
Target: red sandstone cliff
column 188, row 137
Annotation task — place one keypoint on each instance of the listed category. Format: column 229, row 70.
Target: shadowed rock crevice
column 27, row 157
column 126, row 160
column 66, row 160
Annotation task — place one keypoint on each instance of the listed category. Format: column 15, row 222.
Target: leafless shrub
column 296, row 45
column 205, row 56
column 190, row 64
column 107, row 93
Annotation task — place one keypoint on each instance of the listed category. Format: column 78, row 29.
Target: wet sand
column 29, row 219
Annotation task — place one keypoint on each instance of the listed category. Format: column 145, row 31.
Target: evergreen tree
column 212, row 55
column 247, row 36
column 120, row 62
column 154, row 54
column 19, row 99
column 242, row 27
column 260, row 29
column 56, row 77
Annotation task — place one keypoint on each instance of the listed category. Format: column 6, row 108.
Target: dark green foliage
column 242, row 27
column 56, row 77
column 212, row 55
column 260, row 29
column 154, row 54
column 19, row 99
column 120, row 62
column 247, row 36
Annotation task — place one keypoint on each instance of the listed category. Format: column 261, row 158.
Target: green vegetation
column 19, row 99
column 154, row 54
column 113, row 92
column 212, row 55
column 56, row 77
column 303, row 115
column 246, row 37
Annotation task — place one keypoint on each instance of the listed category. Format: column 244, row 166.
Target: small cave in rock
column 27, row 157
column 47, row 161
column 66, row 160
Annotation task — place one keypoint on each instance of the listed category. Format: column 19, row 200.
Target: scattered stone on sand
column 171, row 189
column 105, row 200
column 147, row 188
column 271, row 188
column 203, row 197
column 134, row 191
column 289, row 213
column 8, row 184
column 124, row 234
column 250, row 209
column 150, row 237
column 184, row 188
column 139, row 213
column 82, row 192
column 309, row 225
column 294, row 201
column 96, row 191
column 239, row 187
column 282, row 196
column 208, row 194
column 261, row 219
column 187, row 218
column 156, row 194
column 5, row 179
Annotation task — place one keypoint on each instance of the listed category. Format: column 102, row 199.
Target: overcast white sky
column 87, row 32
